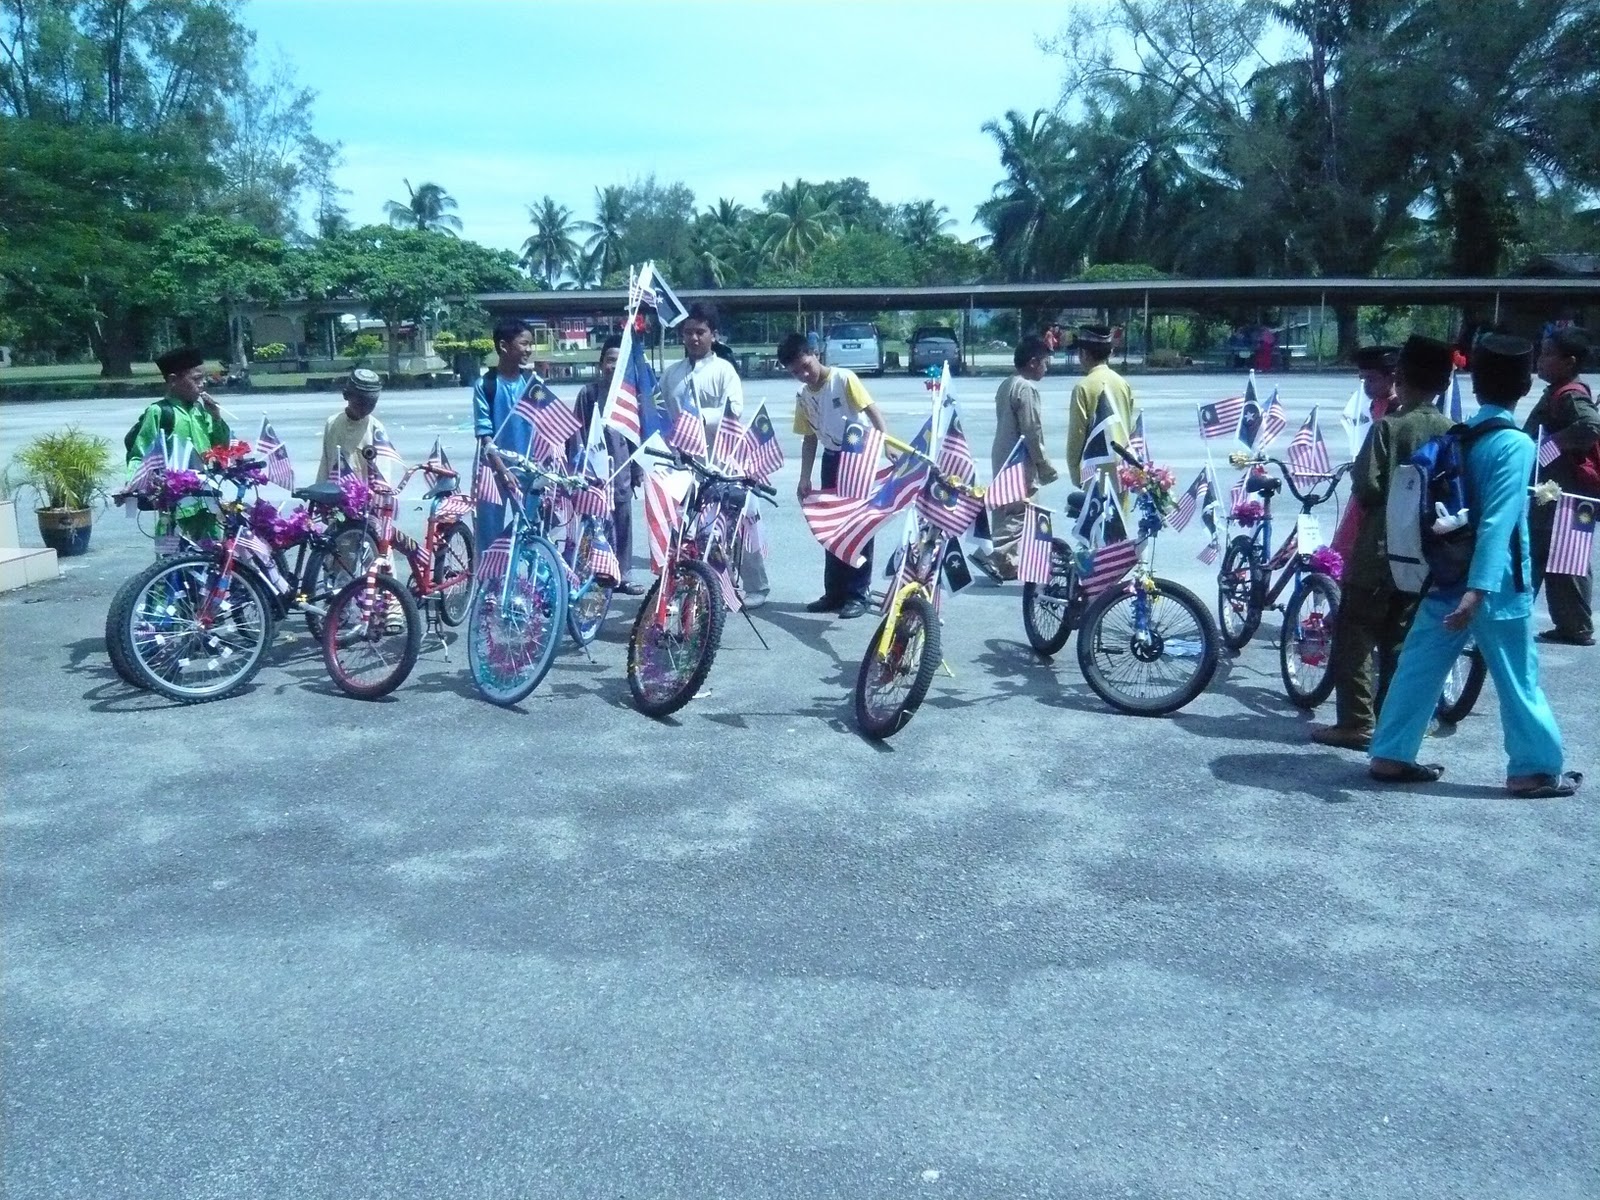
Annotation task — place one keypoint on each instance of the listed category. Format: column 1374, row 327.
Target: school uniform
column 492, row 418
column 1568, row 416
column 1499, row 466
column 1017, row 415
column 823, row 412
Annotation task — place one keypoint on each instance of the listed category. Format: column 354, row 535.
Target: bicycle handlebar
column 749, row 482
column 1310, row 497
column 950, row 481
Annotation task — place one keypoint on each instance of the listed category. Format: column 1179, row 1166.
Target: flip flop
column 1411, row 773
column 1566, row 784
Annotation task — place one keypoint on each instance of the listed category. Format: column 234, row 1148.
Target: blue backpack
column 1430, row 527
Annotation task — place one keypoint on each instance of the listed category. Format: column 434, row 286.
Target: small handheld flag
column 270, row 446
column 1275, row 421
column 1572, row 542
column 764, row 451
column 858, row 460
column 1010, row 484
column 1033, row 557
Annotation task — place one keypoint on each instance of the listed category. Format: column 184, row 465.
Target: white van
column 856, row 345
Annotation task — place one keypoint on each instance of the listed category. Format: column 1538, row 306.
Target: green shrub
column 1163, row 358
column 271, row 351
column 68, row 469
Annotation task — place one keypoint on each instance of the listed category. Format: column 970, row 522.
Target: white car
column 854, row 344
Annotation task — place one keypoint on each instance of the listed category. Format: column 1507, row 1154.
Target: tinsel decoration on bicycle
column 1328, row 561
column 1247, row 513
column 277, row 530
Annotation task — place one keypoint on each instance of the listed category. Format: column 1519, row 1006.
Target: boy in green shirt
column 185, row 416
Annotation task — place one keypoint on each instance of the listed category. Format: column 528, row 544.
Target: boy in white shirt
column 351, row 428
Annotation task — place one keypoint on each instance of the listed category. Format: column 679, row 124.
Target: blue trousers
column 1532, row 741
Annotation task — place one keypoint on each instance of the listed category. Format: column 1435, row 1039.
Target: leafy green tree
column 797, row 223
column 661, row 226
column 606, row 232
column 551, row 248
column 1019, row 214
column 269, row 154
column 207, row 265
column 430, row 208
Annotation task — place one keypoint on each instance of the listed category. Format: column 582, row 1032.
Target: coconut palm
column 922, row 221
column 797, row 223
column 1017, row 216
column 607, row 230
column 551, row 249
column 429, row 208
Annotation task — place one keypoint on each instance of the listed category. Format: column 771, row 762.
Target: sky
column 504, row 101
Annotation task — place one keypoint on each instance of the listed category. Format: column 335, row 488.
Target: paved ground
column 296, row 945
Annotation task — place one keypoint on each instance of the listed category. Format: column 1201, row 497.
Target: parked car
column 854, row 344
column 932, row 345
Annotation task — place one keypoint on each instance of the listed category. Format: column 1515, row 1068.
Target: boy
column 1093, row 344
column 493, row 397
column 1375, row 367
column 707, row 381
column 1017, row 412
column 591, row 396
column 352, row 428
column 1494, row 606
column 829, row 398
column 185, row 416
column 1567, row 414
column 1373, row 614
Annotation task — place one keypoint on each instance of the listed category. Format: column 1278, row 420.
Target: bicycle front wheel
column 371, row 637
column 1147, row 647
column 674, row 641
column 1049, row 610
column 194, row 635
column 1238, row 599
column 1463, row 685
column 1305, row 651
column 515, row 623
column 117, row 647
column 890, row 687
column 328, row 571
column 453, row 564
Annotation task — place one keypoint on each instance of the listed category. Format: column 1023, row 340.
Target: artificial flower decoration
column 1328, row 561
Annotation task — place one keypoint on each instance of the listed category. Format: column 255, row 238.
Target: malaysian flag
column 664, row 492
column 383, row 449
column 250, row 543
column 631, row 405
column 728, row 446
column 591, row 500
column 765, row 452
column 600, row 560
column 955, row 456
column 551, row 419
column 1090, row 517
column 1033, row 557
column 1308, row 453
column 1222, row 418
column 1450, row 399
column 1572, row 544
column 1209, row 553
column 843, row 526
column 1548, row 450
column 858, row 460
column 1108, row 565
column 152, row 464
column 1138, row 446
column 1188, row 504
column 1099, row 447
column 453, row 507
column 342, row 469
column 1010, row 483
column 717, row 560
column 495, row 562
column 951, row 510
column 1241, row 489
column 487, row 488
column 438, row 462
column 270, row 446
column 1275, row 422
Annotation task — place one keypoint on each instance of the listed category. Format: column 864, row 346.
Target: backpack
column 1429, row 525
column 168, row 422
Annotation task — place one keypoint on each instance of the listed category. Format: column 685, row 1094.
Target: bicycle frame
column 421, row 555
column 923, row 556
column 1299, row 563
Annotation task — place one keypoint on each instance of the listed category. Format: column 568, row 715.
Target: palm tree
column 730, row 214
column 1017, row 216
column 428, row 209
column 607, row 230
column 552, row 248
column 922, row 221
column 797, row 223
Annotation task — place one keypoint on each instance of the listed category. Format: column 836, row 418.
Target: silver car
column 854, row 344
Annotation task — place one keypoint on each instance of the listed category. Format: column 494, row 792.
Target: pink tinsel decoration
column 357, row 496
column 1327, row 560
column 1247, row 512
column 176, row 486
column 279, row 531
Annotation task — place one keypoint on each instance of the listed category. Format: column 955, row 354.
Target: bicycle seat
column 1264, row 486
column 441, row 489
column 321, row 493
column 1075, row 504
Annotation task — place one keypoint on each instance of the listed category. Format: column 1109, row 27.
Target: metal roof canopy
column 1158, row 293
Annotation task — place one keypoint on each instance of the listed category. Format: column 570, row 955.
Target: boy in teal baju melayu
column 1495, row 606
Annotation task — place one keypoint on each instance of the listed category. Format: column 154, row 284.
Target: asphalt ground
column 292, row 944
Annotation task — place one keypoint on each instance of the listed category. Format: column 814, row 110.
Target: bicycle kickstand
column 750, row 621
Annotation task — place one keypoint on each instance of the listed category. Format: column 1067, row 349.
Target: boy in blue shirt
column 493, row 397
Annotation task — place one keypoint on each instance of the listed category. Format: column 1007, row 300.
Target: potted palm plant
column 69, row 470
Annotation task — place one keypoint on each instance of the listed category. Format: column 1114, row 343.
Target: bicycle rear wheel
column 327, row 571
column 587, row 611
column 1050, row 610
column 1238, row 598
column 669, row 659
column 193, row 636
column 453, row 563
column 891, row 687
column 371, row 637
column 515, row 623
column 1147, row 647
column 1305, row 649
column 1463, row 685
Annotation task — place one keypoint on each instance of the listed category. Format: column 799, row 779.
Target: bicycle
column 903, row 655
column 1136, row 627
column 678, row 628
column 179, row 624
column 371, row 640
column 1305, row 644
column 519, row 600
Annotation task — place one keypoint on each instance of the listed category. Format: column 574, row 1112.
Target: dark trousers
column 622, row 528
column 841, row 581
column 1370, row 621
column 1570, row 598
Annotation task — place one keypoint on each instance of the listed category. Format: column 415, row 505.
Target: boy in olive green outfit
column 186, row 417
column 1374, row 615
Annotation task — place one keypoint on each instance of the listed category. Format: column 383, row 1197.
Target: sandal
column 1565, row 784
column 1410, row 773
